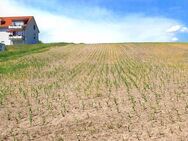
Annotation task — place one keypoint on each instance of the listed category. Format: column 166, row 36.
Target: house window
column 2, row 22
column 17, row 23
column 34, row 27
column 34, row 36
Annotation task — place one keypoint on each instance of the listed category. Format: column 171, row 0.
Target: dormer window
column 18, row 23
column 2, row 22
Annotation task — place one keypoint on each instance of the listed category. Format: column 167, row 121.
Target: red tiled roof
column 7, row 21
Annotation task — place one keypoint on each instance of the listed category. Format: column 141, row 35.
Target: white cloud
column 184, row 29
column 177, row 28
column 174, row 39
column 174, row 28
column 132, row 28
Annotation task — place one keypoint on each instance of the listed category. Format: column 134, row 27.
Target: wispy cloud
column 175, row 39
column 56, row 27
column 177, row 28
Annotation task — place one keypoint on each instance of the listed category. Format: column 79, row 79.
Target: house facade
column 18, row 30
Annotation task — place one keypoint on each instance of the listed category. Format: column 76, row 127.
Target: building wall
column 2, row 47
column 4, row 37
column 31, row 34
column 15, row 42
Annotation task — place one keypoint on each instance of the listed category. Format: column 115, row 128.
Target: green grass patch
column 14, row 67
column 4, row 69
column 16, row 51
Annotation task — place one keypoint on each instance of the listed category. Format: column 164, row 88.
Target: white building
column 18, row 30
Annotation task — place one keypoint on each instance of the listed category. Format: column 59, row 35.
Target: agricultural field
column 95, row 92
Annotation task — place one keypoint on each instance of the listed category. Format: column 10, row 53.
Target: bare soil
column 103, row 92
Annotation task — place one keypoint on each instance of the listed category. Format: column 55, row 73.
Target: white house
column 18, row 30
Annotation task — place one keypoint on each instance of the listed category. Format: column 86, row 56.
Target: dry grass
column 97, row 92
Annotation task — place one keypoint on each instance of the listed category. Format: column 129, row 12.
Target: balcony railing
column 16, row 37
column 16, row 27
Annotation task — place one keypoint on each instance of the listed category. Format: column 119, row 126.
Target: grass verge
column 16, row 51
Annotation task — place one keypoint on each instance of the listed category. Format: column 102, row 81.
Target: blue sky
column 94, row 21
column 168, row 8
